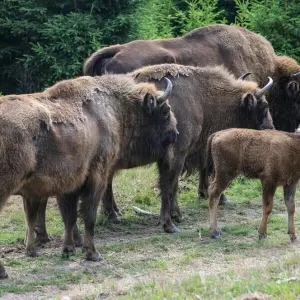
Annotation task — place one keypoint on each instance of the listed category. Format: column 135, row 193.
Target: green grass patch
column 138, row 248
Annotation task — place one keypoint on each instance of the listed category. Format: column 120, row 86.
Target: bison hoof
column 171, row 228
column 69, row 250
column 32, row 253
column 94, row 256
column 262, row 236
column 3, row 273
column 294, row 238
column 216, row 234
column 224, row 200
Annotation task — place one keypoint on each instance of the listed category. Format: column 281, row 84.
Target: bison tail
column 210, row 163
column 94, row 65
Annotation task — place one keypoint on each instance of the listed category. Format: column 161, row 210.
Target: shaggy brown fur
column 271, row 156
column 238, row 49
column 204, row 100
column 66, row 141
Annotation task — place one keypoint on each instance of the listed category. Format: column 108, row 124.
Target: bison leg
column 68, row 208
column 40, row 227
column 289, row 199
column 219, row 184
column 175, row 211
column 92, row 194
column 203, row 184
column 168, row 181
column 267, row 203
column 77, row 236
column 203, row 187
column 110, row 208
column 31, row 207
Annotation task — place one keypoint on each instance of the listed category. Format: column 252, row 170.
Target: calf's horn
column 167, row 92
column 244, row 76
column 263, row 90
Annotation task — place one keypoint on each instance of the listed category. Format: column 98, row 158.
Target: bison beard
column 66, row 141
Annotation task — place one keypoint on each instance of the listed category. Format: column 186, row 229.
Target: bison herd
column 170, row 101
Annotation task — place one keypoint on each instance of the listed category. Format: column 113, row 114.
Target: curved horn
column 263, row 90
column 296, row 74
column 167, row 92
column 244, row 76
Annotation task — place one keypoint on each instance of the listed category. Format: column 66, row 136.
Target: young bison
column 269, row 155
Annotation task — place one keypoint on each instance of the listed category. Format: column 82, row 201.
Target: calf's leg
column 267, row 203
column 31, row 207
column 203, row 187
column 289, row 199
column 40, row 226
column 218, row 185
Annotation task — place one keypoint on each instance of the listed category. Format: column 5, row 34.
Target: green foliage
column 64, row 42
column 199, row 13
column 42, row 42
column 153, row 19
column 277, row 20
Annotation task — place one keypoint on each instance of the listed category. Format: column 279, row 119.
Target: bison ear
column 149, row 104
column 249, row 102
column 292, row 88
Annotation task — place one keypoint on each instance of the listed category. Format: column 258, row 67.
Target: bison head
column 284, row 101
column 156, row 128
column 293, row 86
column 256, row 109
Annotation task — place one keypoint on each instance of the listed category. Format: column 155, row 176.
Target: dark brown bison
column 66, row 141
column 271, row 156
column 238, row 49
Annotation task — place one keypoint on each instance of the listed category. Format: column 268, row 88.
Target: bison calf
column 269, row 155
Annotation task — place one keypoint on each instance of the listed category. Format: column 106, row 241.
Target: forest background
column 43, row 41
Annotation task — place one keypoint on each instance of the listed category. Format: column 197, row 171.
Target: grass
column 143, row 262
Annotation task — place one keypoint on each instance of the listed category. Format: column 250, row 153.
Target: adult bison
column 238, row 49
column 200, row 96
column 204, row 100
column 66, row 141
